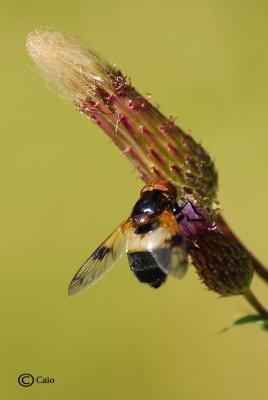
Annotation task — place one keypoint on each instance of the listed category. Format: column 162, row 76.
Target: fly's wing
column 102, row 260
column 164, row 241
column 170, row 253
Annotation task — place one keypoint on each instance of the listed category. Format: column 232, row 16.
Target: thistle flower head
column 154, row 144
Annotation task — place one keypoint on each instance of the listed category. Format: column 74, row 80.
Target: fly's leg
column 193, row 247
column 201, row 217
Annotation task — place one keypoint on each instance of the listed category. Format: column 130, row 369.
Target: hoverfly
column 151, row 237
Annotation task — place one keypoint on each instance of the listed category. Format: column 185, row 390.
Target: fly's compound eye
column 163, row 186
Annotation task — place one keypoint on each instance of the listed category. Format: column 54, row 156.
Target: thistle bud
column 222, row 264
column 154, row 144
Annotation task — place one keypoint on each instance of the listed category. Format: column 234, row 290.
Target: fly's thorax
column 153, row 203
column 141, row 219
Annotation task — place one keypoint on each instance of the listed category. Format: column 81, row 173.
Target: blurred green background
column 65, row 187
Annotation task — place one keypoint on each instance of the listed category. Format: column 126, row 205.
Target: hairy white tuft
column 70, row 63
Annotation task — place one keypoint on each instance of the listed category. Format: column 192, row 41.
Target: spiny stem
column 259, row 268
column 255, row 303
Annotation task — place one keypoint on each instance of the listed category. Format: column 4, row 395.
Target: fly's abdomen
column 144, row 267
column 141, row 260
